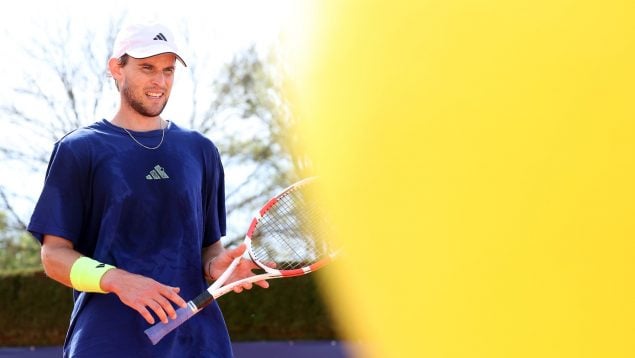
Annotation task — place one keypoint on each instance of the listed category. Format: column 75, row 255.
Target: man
column 132, row 213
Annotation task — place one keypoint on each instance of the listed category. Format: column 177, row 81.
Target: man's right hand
column 143, row 294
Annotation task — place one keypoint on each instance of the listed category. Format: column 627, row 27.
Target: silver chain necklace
column 141, row 144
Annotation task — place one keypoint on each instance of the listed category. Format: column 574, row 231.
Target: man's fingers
column 158, row 310
column 249, row 286
column 167, row 308
column 162, row 306
column 238, row 251
column 145, row 314
column 173, row 295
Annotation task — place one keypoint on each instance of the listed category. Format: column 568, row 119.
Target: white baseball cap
column 143, row 40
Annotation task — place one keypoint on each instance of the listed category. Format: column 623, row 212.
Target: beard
column 138, row 105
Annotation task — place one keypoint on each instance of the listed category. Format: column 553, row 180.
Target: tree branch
column 9, row 208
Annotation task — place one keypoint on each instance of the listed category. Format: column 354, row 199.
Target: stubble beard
column 138, row 105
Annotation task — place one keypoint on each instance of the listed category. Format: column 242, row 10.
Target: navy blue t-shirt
column 149, row 212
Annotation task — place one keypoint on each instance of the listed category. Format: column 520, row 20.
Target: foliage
column 34, row 310
column 289, row 309
column 18, row 250
column 258, row 128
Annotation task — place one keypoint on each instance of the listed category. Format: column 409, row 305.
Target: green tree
column 18, row 250
column 249, row 90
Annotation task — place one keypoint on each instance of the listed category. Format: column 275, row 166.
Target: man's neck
column 137, row 123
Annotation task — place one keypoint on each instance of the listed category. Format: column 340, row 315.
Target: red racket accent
column 252, row 227
column 268, row 206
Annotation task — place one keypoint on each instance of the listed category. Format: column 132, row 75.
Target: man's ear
column 115, row 70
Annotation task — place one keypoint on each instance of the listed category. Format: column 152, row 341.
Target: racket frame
column 159, row 330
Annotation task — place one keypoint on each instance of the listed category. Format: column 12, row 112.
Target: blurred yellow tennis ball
column 478, row 161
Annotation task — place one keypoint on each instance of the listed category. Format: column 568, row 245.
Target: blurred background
column 55, row 80
column 54, row 75
column 477, row 156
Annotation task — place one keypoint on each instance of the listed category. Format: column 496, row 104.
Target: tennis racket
column 288, row 237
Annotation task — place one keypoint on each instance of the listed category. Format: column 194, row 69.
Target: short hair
column 122, row 61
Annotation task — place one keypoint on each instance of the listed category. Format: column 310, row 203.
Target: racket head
column 291, row 234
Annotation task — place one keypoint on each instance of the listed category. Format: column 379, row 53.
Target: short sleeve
column 60, row 207
column 215, row 216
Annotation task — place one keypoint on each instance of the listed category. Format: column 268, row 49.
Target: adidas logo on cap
column 160, row 36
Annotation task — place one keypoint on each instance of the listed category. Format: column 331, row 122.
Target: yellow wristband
column 86, row 274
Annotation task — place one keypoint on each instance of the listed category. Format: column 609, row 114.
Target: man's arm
column 58, row 256
column 209, row 253
column 135, row 291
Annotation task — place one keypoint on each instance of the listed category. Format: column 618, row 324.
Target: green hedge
column 34, row 311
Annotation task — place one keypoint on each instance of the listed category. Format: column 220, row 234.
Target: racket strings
column 291, row 234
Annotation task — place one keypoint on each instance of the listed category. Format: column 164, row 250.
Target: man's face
column 147, row 82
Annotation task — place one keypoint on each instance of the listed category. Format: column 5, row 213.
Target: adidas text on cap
column 145, row 40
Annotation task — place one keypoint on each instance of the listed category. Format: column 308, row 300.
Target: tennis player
column 131, row 216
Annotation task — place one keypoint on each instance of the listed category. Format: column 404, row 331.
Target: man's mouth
column 154, row 94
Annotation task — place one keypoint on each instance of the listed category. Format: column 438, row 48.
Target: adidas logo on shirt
column 157, row 173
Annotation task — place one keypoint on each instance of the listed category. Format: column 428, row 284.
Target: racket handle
column 160, row 330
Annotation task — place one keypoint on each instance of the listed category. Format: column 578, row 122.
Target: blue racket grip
column 160, row 330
